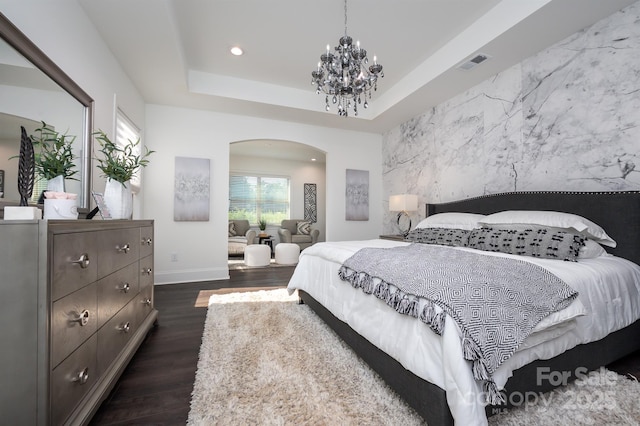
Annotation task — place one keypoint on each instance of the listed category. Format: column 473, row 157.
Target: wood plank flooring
column 155, row 389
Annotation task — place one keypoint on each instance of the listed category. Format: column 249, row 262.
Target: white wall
column 62, row 30
column 202, row 246
column 57, row 108
column 299, row 173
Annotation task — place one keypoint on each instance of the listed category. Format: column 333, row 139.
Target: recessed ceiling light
column 235, row 50
column 313, row 159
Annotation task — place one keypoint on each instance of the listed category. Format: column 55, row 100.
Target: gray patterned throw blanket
column 495, row 301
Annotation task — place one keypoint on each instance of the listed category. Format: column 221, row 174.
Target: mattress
column 608, row 300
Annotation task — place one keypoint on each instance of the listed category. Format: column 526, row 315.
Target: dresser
column 76, row 301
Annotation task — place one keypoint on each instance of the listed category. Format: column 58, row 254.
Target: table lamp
column 403, row 203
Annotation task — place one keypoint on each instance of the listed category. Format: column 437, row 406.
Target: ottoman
column 257, row 255
column 287, row 253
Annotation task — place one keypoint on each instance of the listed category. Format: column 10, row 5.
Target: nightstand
column 392, row 237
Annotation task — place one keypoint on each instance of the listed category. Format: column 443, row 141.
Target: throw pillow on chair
column 304, row 228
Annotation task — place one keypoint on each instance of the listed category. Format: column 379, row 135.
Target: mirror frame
column 21, row 43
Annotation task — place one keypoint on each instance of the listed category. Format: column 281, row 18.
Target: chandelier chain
column 345, row 18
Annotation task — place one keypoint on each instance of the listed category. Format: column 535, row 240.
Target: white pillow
column 590, row 250
column 575, row 309
column 550, row 218
column 452, row 220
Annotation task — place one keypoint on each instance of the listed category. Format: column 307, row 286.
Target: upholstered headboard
column 618, row 213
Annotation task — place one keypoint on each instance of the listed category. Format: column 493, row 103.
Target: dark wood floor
column 155, row 389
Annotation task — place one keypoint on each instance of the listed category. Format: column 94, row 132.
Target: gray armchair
column 243, row 237
column 288, row 233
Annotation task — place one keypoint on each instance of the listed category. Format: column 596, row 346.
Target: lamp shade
column 403, row 203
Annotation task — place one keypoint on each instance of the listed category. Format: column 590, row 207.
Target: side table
column 392, row 237
column 266, row 239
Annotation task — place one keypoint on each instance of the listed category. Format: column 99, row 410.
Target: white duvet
column 608, row 300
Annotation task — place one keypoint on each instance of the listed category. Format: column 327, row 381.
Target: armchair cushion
column 289, row 233
column 243, row 237
column 241, row 226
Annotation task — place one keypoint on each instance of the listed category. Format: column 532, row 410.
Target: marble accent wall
column 567, row 118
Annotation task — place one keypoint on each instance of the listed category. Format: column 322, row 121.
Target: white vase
column 56, row 184
column 118, row 199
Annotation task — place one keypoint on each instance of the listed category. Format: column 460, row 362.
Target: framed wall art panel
column 357, row 195
column 191, row 189
column 310, row 202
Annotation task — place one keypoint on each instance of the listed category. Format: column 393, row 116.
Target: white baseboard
column 191, row 275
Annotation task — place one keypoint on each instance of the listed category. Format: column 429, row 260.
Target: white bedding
column 609, row 299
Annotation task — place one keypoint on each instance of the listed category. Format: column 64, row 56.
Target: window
column 39, row 186
column 127, row 131
column 258, row 198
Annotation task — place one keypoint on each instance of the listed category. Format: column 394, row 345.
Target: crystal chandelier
column 344, row 75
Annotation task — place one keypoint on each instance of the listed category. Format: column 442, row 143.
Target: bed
column 566, row 351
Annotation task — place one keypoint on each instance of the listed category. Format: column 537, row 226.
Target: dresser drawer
column 72, row 379
column 74, row 262
column 118, row 248
column 115, row 334
column 146, row 241
column 73, row 320
column 115, row 291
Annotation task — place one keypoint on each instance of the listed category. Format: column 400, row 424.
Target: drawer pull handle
column 146, row 241
column 83, row 318
column 125, row 288
column 146, row 302
column 82, row 376
column 146, row 271
column 124, row 249
column 125, row 327
column 83, row 261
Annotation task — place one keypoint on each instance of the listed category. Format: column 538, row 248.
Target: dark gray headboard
column 617, row 212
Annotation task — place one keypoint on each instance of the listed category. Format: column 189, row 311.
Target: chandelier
column 344, row 75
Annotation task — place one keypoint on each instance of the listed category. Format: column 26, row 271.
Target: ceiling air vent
column 477, row 59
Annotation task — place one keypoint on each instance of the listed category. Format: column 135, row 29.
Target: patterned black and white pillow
column 440, row 236
column 232, row 229
column 535, row 241
column 303, row 228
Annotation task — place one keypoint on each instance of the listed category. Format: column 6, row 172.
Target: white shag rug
column 266, row 360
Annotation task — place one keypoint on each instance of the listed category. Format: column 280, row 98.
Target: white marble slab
column 567, row 118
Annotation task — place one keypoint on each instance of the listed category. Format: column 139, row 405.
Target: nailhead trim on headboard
column 618, row 212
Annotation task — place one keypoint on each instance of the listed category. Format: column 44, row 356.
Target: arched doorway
column 303, row 166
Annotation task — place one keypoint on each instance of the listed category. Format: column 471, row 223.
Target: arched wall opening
column 302, row 164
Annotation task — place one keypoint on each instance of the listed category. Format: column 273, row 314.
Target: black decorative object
column 26, row 168
column 345, row 76
column 310, row 206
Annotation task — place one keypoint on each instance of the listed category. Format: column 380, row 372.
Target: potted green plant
column 262, row 224
column 54, row 158
column 118, row 164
